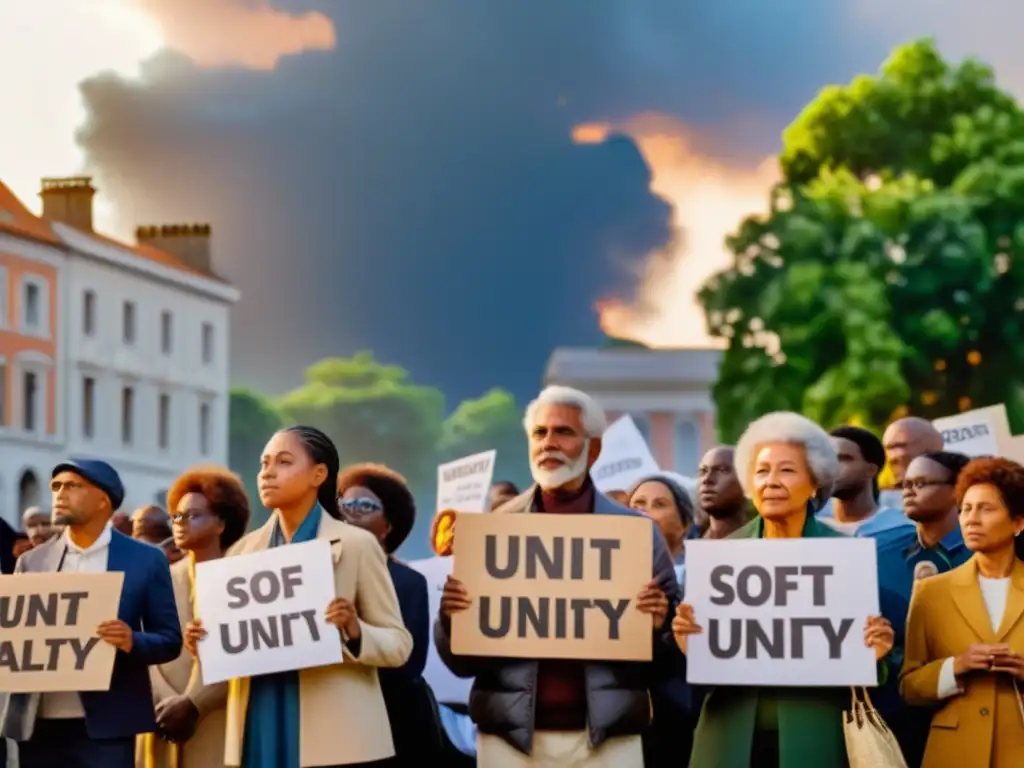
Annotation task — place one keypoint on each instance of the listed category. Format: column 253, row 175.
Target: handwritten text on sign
column 264, row 612
column 463, row 484
column 788, row 612
column 553, row 586
column 48, row 628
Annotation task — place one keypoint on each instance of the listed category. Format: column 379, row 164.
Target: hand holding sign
column 684, row 624
column 878, row 634
column 194, row 632
column 118, row 634
column 342, row 614
column 653, row 601
column 454, row 597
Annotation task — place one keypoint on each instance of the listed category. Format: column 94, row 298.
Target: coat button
column 984, row 711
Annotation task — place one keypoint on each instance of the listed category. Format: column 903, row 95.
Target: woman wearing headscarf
column 663, row 499
column 210, row 512
column 787, row 466
column 343, row 718
column 378, row 499
column 965, row 631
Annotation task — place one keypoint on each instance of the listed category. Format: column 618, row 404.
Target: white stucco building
column 141, row 336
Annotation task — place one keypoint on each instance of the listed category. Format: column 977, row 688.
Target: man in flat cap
column 98, row 729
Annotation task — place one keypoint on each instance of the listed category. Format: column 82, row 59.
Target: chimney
column 69, row 201
column 189, row 242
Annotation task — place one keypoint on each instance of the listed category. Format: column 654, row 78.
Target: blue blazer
column 411, row 588
column 147, row 606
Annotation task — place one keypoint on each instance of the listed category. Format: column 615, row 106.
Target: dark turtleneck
column 561, row 689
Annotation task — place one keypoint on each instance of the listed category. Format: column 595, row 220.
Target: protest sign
column 463, row 484
column 264, row 612
column 447, row 688
column 981, row 432
column 624, row 459
column 48, row 623
column 553, row 586
column 781, row 612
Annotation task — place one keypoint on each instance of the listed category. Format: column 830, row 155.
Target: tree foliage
column 491, row 421
column 888, row 275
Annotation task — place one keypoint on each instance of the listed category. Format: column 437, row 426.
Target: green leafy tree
column 253, row 419
column 889, row 272
column 373, row 412
column 493, row 420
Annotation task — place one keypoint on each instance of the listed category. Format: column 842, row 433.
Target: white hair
column 793, row 429
column 591, row 414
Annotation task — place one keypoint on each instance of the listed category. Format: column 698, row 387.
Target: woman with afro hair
column 209, row 513
column 378, row 499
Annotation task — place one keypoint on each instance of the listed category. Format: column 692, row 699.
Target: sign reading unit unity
column 48, row 626
column 553, row 586
column 781, row 612
column 264, row 612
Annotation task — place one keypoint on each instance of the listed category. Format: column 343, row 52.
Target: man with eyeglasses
column 98, row 728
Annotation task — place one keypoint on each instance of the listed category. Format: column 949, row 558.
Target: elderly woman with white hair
column 787, row 467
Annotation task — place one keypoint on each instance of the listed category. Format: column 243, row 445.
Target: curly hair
column 223, row 491
column 1007, row 477
column 393, row 491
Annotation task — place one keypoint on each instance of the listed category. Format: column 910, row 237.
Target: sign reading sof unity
column 264, row 612
column 781, row 612
column 48, row 623
column 553, row 586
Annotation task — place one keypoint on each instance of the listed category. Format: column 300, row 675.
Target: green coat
column 810, row 719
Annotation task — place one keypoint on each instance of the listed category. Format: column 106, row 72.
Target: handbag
column 869, row 742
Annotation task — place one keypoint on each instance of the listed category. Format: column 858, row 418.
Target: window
column 164, row 421
column 32, row 312
column 204, row 429
column 88, row 406
column 127, row 414
column 89, row 313
column 207, row 343
column 30, row 402
column 129, row 322
column 687, row 444
column 3, row 296
column 3, row 393
column 166, row 331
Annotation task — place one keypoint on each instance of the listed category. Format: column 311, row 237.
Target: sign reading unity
column 264, row 612
column 463, row 484
column 624, row 459
column 48, row 624
column 553, row 586
column 787, row 612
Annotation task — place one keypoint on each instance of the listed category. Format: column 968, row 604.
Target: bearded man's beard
column 571, row 469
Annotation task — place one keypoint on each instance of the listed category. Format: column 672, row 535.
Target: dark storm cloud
column 416, row 192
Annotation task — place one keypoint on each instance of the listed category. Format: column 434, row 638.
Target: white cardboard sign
column 463, row 484
column 781, row 612
column 625, row 458
column 981, row 432
column 264, row 612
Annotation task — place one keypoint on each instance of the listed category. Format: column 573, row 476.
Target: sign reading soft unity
column 463, row 484
column 624, row 459
column 48, row 627
column 785, row 612
column 553, row 586
column 264, row 612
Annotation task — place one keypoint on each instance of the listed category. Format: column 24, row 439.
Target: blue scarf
column 272, row 719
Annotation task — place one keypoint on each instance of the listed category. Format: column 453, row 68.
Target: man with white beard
column 565, row 712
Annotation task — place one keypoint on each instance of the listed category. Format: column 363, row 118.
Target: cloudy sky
column 454, row 185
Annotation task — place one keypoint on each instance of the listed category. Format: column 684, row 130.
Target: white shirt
column 995, row 593
column 66, row 705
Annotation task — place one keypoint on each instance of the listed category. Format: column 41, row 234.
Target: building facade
column 666, row 391
column 137, row 367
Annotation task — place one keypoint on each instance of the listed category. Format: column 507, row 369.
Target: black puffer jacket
column 618, row 702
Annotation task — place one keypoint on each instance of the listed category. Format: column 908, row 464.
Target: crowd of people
column 948, row 640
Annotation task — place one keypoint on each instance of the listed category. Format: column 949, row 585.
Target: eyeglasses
column 920, row 483
column 188, row 516
column 361, row 506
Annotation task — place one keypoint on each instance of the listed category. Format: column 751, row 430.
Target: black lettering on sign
column 755, row 585
column 963, row 434
column 755, row 640
column 278, row 631
column 57, row 609
column 45, row 655
column 534, row 556
column 477, row 467
column 264, row 586
column 617, row 467
column 547, row 618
